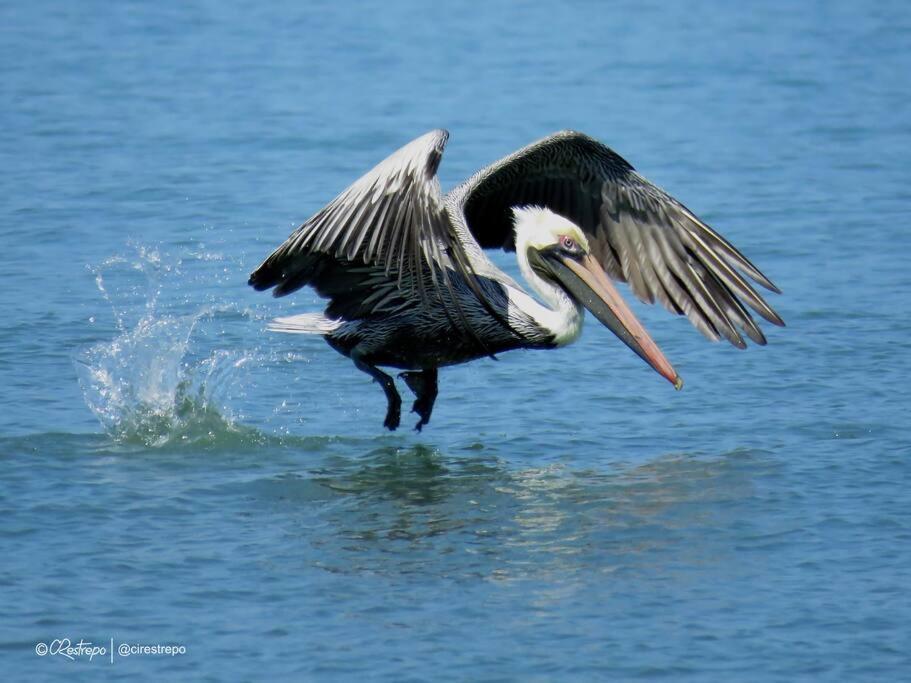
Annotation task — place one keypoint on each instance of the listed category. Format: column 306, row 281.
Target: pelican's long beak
column 586, row 280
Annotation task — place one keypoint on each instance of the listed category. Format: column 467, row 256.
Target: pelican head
column 558, row 252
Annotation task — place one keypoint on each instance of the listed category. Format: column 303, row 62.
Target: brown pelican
column 410, row 287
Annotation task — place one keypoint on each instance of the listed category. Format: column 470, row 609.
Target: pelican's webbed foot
column 393, row 400
column 424, row 385
column 393, row 413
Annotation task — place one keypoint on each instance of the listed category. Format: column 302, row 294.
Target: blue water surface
column 172, row 474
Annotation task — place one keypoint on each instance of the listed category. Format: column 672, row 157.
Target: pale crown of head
column 540, row 228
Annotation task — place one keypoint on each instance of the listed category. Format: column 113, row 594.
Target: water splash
column 153, row 384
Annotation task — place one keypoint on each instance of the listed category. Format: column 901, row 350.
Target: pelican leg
column 393, row 400
column 424, row 386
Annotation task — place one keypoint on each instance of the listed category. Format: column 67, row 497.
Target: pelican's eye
column 568, row 243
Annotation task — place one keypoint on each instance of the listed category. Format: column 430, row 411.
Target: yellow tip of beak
column 678, row 383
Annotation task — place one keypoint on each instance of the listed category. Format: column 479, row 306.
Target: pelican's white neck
column 560, row 315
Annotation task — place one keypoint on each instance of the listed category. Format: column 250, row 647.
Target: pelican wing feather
column 384, row 243
column 391, row 218
column 638, row 232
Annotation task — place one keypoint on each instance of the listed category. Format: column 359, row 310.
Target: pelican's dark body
column 408, row 346
column 419, row 338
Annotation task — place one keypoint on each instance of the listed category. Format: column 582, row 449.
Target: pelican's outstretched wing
column 638, row 232
column 385, row 242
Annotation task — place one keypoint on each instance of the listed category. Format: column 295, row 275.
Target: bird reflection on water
column 398, row 510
